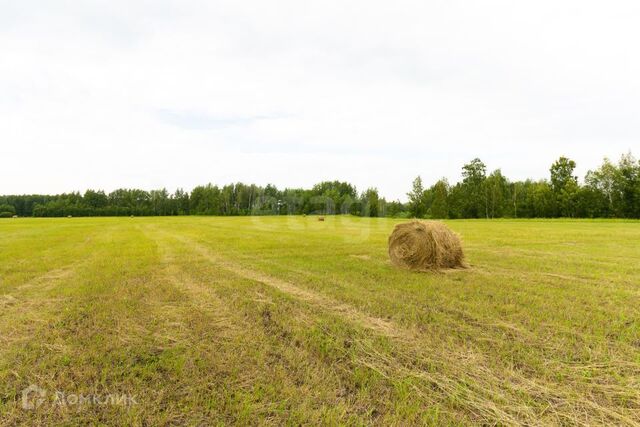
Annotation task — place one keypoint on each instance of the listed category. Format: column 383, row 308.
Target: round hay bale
column 425, row 245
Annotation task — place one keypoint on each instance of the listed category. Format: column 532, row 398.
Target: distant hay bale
column 425, row 245
column 69, row 216
column 320, row 218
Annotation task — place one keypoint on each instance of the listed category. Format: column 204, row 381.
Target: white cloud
column 179, row 93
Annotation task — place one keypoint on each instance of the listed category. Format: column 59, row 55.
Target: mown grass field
column 283, row 320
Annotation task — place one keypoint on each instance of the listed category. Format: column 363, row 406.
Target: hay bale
column 425, row 245
column 320, row 218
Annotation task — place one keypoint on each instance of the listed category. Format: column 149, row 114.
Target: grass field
column 289, row 320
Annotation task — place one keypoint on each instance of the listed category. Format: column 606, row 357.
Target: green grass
column 287, row 320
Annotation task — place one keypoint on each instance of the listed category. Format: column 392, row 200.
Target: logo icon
column 33, row 396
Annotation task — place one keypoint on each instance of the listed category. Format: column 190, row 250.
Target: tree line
column 327, row 198
column 610, row 191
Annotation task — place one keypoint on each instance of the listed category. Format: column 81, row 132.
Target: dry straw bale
column 425, row 245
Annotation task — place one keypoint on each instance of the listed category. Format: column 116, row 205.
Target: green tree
column 564, row 185
column 333, row 197
column 629, row 169
column 416, row 199
column 606, row 181
column 7, row 210
column 476, row 203
column 159, row 200
column 562, row 173
column 496, row 188
column 439, row 202
column 181, row 198
column 205, row 200
column 542, row 200
column 590, row 203
column 371, row 202
column 568, row 198
column 519, row 192
column 396, row 209
column 95, row 199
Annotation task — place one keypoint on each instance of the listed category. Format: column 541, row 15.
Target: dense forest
column 611, row 191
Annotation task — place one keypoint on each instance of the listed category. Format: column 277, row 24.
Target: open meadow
column 288, row 320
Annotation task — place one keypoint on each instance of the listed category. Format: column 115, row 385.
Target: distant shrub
column 6, row 214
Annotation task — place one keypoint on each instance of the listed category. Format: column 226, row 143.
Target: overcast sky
column 150, row 94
